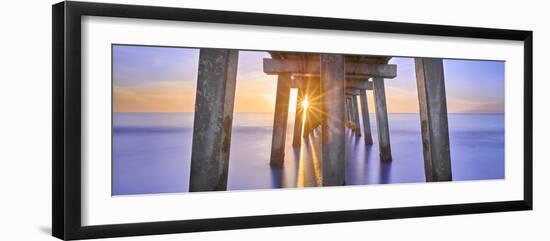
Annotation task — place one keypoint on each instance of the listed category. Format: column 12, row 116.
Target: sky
column 163, row 79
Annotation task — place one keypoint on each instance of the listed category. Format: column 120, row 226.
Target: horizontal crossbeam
column 354, row 83
column 362, row 84
column 277, row 66
column 354, row 92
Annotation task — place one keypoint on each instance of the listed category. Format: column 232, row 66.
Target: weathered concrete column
column 366, row 118
column 433, row 116
column 333, row 132
column 346, row 107
column 355, row 112
column 313, row 115
column 308, row 95
column 349, row 120
column 350, row 109
column 298, row 119
column 382, row 119
column 280, row 120
column 213, row 119
column 316, row 104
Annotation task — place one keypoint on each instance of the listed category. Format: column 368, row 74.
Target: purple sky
column 151, row 79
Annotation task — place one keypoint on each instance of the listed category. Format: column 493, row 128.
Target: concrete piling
column 280, row 120
column 355, row 111
column 213, row 119
column 382, row 119
column 366, row 118
column 333, row 129
column 350, row 115
column 298, row 119
column 347, row 109
column 313, row 115
column 433, row 117
column 308, row 90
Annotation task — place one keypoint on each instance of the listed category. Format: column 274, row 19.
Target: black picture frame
column 66, row 128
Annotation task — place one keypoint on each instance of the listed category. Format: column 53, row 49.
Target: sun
column 305, row 103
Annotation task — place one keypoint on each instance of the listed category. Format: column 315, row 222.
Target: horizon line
column 294, row 112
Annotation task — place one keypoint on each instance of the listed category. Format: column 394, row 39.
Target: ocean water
column 152, row 152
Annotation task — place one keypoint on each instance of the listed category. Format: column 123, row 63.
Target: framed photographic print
column 170, row 120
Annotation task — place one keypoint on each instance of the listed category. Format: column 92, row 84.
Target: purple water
column 152, row 151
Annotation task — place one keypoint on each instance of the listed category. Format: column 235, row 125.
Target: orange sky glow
column 168, row 85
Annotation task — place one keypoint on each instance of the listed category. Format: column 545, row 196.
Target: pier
column 335, row 87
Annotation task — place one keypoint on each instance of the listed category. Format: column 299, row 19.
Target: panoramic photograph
column 200, row 120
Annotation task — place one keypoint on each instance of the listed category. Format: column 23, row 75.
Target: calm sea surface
column 152, row 152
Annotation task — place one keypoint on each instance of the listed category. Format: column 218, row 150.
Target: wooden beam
column 276, row 66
